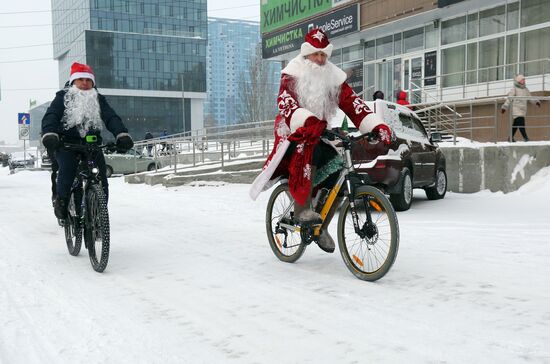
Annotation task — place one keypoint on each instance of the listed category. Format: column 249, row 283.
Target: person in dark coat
column 77, row 111
column 378, row 95
column 149, row 136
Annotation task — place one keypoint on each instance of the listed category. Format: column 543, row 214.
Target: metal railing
column 469, row 123
column 483, row 82
column 217, row 144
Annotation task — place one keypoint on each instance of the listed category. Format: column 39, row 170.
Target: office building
column 149, row 57
column 233, row 47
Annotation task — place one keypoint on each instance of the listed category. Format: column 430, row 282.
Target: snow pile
column 191, row 279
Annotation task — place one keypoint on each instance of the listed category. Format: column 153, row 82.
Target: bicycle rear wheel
column 369, row 255
column 73, row 228
column 285, row 244
column 96, row 229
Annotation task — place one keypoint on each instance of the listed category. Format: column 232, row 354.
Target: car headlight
column 95, row 170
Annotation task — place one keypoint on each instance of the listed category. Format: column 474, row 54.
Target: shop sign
column 341, row 22
column 276, row 14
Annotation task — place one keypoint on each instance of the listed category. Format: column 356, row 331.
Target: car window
column 405, row 121
column 417, row 125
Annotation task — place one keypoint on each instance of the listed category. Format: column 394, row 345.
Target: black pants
column 519, row 123
column 68, row 165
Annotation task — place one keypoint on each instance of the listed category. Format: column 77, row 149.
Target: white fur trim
column 121, row 135
column 369, row 122
column 45, row 135
column 77, row 75
column 299, row 118
column 296, row 68
column 261, row 183
column 306, row 49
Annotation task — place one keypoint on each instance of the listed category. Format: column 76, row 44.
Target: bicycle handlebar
column 87, row 147
column 329, row 134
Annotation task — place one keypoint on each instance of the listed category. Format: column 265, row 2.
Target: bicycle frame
column 87, row 170
column 347, row 178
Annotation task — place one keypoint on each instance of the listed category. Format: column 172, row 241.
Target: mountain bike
column 368, row 231
column 87, row 214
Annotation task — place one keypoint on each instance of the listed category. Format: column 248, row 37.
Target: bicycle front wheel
column 369, row 253
column 96, row 229
column 73, row 227
column 285, row 243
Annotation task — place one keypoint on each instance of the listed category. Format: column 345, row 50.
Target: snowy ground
column 191, row 279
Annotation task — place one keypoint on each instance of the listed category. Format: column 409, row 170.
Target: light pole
column 183, row 103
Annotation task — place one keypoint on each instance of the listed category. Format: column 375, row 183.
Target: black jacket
column 52, row 120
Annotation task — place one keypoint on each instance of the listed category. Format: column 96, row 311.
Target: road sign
column 24, row 122
column 23, row 118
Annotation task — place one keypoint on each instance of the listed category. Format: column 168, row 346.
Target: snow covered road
column 191, row 279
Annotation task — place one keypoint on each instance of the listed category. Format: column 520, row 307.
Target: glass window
column 453, row 30
column 512, row 16
column 491, row 60
column 369, row 50
column 472, row 26
column 471, row 63
column 492, row 21
column 534, row 12
column 336, row 56
column 352, row 53
column 534, row 46
column 452, row 66
column 431, row 36
column 369, row 69
column 397, row 44
column 511, row 55
column 384, row 47
column 413, row 40
column 396, row 77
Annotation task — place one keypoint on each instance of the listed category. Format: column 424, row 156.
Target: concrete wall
column 496, row 168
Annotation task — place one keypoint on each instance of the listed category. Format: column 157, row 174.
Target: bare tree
column 257, row 93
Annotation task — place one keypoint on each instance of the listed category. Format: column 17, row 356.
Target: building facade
column 233, row 48
column 435, row 50
column 149, row 57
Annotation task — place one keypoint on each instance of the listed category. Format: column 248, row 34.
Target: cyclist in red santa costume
column 311, row 91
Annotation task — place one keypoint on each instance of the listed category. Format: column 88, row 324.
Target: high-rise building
column 149, row 57
column 233, row 53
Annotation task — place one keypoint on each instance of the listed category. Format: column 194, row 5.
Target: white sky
column 38, row 80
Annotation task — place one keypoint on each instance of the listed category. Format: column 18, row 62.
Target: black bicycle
column 87, row 215
column 368, row 231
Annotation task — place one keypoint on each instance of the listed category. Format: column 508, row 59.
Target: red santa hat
column 79, row 70
column 316, row 41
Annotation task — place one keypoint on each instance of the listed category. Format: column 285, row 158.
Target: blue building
column 233, row 46
column 149, row 57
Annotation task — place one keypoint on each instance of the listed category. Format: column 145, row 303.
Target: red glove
column 384, row 133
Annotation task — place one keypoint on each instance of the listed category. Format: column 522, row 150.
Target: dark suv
column 412, row 160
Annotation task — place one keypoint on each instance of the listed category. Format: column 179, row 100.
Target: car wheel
column 108, row 171
column 438, row 191
column 402, row 201
column 151, row 167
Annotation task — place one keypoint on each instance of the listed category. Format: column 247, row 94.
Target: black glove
column 124, row 142
column 50, row 141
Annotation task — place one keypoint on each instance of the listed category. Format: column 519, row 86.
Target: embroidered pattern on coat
column 286, row 104
column 360, row 106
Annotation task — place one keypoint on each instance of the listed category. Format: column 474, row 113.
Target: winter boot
column 60, row 208
column 325, row 242
column 304, row 214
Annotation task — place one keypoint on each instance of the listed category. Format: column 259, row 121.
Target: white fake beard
column 317, row 90
column 81, row 110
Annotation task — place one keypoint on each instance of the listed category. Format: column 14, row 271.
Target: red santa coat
column 292, row 116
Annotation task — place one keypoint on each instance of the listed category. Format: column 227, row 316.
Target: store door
column 412, row 78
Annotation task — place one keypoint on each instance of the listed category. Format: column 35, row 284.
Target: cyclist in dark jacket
column 76, row 112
